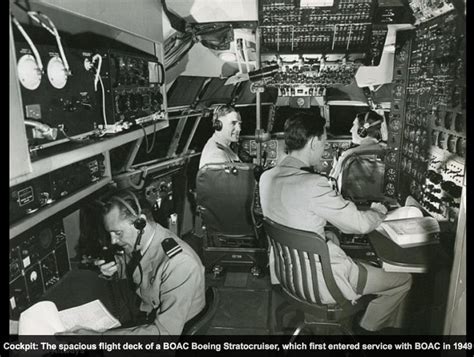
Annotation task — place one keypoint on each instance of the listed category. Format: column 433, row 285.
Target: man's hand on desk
column 379, row 207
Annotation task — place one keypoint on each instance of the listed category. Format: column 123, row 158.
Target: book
column 43, row 318
column 403, row 268
column 410, row 232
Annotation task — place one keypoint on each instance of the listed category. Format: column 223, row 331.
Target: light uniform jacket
column 173, row 285
column 303, row 200
column 215, row 152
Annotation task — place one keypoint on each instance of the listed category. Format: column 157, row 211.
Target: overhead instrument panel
column 289, row 26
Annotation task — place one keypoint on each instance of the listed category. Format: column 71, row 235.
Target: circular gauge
column 390, row 189
column 452, row 143
column 45, row 238
column 402, row 55
column 416, row 152
column 272, row 144
column 395, row 124
column 29, row 73
column 424, row 138
column 33, row 276
column 391, row 174
column 442, row 140
column 392, row 158
column 57, row 73
column 398, row 91
column 418, row 136
column 418, row 118
column 326, row 154
column 461, row 147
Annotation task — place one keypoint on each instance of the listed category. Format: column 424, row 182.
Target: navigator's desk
column 426, row 303
column 418, row 259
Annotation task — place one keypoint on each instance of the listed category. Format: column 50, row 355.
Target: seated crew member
column 293, row 196
column 226, row 122
column 368, row 132
column 167, row 274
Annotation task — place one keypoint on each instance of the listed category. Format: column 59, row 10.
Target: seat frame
column 297, row 246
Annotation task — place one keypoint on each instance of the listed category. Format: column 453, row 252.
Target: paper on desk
column 93, row 316
column 40, row 319
column 404, row 212
column 43, row 318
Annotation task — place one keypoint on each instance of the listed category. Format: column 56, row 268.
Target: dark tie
column 132, row 265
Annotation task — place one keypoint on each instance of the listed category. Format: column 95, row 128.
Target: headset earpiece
column 139, row 223
column 362, row 130
column 216, row 123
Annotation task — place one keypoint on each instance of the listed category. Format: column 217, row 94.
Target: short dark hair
column 372, row 117
column 111, row 201
column 301, row 127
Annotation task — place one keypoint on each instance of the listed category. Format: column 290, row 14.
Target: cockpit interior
column 108, row 96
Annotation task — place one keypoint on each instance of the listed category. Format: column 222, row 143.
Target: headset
column 216, row 123
column 362, row 130
column 139, row 223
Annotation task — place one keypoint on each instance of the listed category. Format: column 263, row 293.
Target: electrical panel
column 65, row 103
column 133, row 86
column 30, row 196
column 428, row 118
column 38, row 258
column 293, row 27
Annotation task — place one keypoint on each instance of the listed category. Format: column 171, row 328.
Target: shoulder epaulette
column 171, row 247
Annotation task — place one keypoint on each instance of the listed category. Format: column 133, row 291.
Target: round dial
column 392, row 158
column 391, row 174
column 416, row 152
column 57, row 73
column 29, row 73
column 395, row 124
column 390, row 189
column 418, row 136
column 402, row 55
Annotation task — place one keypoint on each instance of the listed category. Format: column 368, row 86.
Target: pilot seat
column 225, row 195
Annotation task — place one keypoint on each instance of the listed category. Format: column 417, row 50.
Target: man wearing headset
column 369, row 130
column 292, row 195
column 164, row 272
column 226, row 122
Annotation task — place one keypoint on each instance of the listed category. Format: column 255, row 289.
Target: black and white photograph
column 275, row 177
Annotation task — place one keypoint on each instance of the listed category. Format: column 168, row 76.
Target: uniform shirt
column 215, row 152
column 175, row 286
column 305, row 201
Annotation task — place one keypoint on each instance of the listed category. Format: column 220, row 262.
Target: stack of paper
column 43, row 318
